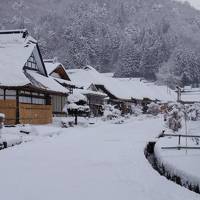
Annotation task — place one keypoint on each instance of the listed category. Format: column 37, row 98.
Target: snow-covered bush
column 153, row 109
column 136, row 110
column 76, row 105
column 110, row 112
column 193, row 112
column 175, row 116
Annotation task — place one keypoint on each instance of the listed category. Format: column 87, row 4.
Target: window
column 1, row 94
column 31, row 63
column 32, row 98
column 58, row 103
column 10, row 94
column 38, row 101
column 25, row 99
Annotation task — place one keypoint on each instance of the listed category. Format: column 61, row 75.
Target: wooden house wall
column 28, row 113
column 9, row 107
column 32, row 107
column 35, row 114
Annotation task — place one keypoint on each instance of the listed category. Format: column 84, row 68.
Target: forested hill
column 155, row 39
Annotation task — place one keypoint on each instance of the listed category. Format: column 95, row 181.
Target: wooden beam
column 17, row 107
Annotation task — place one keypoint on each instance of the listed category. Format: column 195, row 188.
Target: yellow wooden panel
column 8, row 107
column 35, row 114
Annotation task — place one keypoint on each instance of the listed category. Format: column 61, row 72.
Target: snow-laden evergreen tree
column 76, row 105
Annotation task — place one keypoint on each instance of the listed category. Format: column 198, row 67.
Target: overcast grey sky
column 195, row 3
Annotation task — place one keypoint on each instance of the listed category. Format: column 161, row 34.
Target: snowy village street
column 104, row 162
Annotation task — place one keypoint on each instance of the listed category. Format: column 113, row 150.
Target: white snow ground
column 101, row 162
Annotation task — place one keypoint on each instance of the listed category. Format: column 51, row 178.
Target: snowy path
column 105, row 162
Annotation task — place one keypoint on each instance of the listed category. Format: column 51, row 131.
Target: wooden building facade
column 26, row 91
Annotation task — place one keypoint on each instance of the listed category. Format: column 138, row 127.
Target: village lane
column 103, row 162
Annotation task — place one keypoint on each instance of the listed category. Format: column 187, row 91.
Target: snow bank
column 179, row 162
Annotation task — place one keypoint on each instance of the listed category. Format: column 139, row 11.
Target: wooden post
column 178, row 93
column 76, row 118
column 179, row 140
column 17, row 107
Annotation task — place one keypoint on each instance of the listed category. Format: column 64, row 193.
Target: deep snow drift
column 101, row 162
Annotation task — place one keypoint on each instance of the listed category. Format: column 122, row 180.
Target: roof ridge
column 15, row 31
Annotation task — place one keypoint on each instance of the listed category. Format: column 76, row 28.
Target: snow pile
column 11, row 140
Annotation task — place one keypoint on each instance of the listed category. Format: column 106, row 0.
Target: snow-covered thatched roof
column 125, row 89
column 85, row 76
column 90, row 92
column 16, row 48
column 140, row 89
column 45, row 83
column 51, row 65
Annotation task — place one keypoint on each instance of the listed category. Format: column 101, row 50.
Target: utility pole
column 178, row 90
column 186, row 128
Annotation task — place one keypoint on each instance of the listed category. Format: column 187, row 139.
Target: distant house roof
column 124, row 89
column 58, row 72
column 45, row 83
column 189, row 94
column 51, row 65
column 85, row 76
column 17, row 48
column 140, row 89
